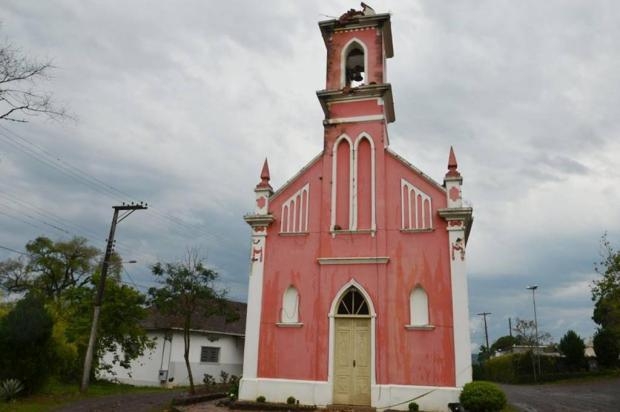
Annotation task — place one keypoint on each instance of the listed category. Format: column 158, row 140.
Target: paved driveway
column 594, row 396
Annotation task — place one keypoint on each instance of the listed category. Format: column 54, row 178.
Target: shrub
column 28, row 351
column 572, row 346
column 208, row 380
column 606, row 348
column 413, row 406
column 290, row 400
column 482, row 397
column 261, row 399
column 233, row 392
column 10, row 388
column 224, row 377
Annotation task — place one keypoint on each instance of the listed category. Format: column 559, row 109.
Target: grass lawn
column 55, row 394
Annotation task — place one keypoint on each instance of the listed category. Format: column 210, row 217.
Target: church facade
column 358, row 287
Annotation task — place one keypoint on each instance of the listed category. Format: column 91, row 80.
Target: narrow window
column 364, row 184
column 418, row 304
column 210, row 354
column 290, row 306
column 355, row 70
column 343, row 185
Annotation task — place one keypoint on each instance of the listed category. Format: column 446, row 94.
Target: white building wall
column 168, row 356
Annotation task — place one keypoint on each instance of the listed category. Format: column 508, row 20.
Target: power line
column 13, row 250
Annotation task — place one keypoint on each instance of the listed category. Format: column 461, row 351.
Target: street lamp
column 533, row 289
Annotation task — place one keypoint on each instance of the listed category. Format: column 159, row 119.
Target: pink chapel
column 358, row 287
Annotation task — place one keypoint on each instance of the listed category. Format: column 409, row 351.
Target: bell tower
column 358, row 105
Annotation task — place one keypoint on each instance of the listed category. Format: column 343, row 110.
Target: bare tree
column 20, row 95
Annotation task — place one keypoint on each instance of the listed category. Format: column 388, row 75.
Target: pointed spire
column 452, row 165
column 264, row 177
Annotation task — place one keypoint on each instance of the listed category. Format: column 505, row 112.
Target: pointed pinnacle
column 264, row 176
column 452, row 165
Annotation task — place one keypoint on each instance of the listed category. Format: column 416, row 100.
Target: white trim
column 335, row 176
column 420, row 327
column 294, row 223
column 289, row 325
column 319, row 393
column 332, row 332
column 343, row 61
column 353, row 260
column 355, row 119
column 410, row 209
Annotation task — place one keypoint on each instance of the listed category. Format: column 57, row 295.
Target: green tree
column 606, row 290
column 26, row 343
column 120, row 330
column 188, row 289
column 503, row 344
column 51, row 267
column 606, row 348
column 65, row 275
column 572, row 346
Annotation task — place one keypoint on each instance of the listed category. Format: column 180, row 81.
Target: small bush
column 224, row 377
column 290, row 400
column 208, row 380
column 10, row 388
column 482, row 397
column 233, row 393
column 261, row 399
column 414, row 406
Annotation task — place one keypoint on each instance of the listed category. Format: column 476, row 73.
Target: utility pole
column 88, row 359
column 510, row 327
column 486, row 332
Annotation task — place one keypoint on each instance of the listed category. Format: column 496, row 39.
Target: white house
column 215, row 346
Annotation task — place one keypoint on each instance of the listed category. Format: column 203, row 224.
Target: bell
column 357, row 76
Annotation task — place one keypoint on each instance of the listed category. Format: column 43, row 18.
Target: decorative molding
column 417, row 230
column 293, row 234
column 420, row 327
column 353, row 260
column 295, row 209
column 289, row 325
column 416, row 207
column 355, row 119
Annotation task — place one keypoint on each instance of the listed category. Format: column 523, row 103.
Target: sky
column 177, row 104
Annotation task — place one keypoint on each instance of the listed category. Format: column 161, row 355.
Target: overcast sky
column 178, row 103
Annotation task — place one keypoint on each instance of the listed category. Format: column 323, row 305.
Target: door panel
column 352, row 361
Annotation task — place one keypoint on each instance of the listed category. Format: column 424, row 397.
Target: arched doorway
column 352, row 349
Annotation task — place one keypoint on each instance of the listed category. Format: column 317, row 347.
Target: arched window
column 290, row 306
column 354, row 64
column 353, row 303
column 418, row 306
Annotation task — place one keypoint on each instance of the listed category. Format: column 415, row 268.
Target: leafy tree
column 64, row 274
column 606, row 290
column 606, row 348
column 120, row 330
column 503, row 344
column 187, row 290
column 51, row 267
column 19, row 77
column 26, row 343
column 572, row 346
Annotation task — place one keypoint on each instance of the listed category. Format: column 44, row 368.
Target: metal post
column 486, row 332
column 533, row 289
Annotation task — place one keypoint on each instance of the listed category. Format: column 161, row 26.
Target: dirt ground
column 593, row 396
column 135, row 402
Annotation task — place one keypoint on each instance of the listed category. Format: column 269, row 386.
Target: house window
column 210, row 354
